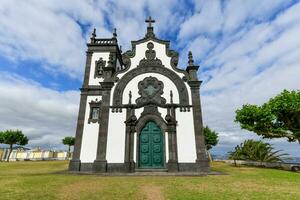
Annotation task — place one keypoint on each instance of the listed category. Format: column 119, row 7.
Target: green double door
column 151, row 146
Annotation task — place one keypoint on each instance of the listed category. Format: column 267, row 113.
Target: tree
column 12, row 137
column 211, row 139
column 1, row 137
column 70, row 141
column 277, row 118
column 236, row 154
column 255, row 151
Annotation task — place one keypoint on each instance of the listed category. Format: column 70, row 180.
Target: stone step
column 151, row 170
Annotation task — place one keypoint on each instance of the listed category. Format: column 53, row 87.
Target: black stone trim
column 86, row 167
column 150, row 117
column 172, row 138
column 74, row 165
column 129, row 140
column 193, row 167
column 75, row 162
column 92, row 91
column 202, row 158
column 100, row 164
column 115, row 168
column 119, row 89
column 87, row 68
column 152, row 103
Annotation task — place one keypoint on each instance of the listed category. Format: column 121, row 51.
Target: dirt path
column 152, row 192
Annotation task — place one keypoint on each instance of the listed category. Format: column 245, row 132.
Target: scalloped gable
column 168, row 57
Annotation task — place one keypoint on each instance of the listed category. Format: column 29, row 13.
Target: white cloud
column 249, row 66
column 44, row 115
column 48, row 32
column 208, row 20
column 248, row 51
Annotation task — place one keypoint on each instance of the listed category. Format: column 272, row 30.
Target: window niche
column 99, row 65
column 94, row 111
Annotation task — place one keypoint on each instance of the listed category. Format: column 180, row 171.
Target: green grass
column 43, row 180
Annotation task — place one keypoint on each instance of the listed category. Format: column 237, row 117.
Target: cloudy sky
column 248, row 50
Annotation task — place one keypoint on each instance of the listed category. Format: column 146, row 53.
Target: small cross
column 149, row 21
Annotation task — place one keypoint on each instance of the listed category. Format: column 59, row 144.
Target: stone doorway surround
column 151, row 147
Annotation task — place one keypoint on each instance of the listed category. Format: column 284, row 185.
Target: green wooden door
column 151, row 147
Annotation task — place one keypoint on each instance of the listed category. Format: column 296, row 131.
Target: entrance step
column 151, row 170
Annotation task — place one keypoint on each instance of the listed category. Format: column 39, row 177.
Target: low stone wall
column 277, row 165
column 24, row 155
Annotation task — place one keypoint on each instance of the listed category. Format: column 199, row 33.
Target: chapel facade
column 138, row 111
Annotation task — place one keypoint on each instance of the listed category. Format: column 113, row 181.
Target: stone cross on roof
column 150, row 21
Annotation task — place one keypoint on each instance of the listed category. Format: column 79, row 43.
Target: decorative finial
column 130, row 96
column 191, row 61
column 149, row 21
column 94, row 33
column 93, row 38
column 115, row 33
column 121, row 48
column 171, row 96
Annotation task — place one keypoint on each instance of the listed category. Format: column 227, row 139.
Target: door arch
column 151, row 151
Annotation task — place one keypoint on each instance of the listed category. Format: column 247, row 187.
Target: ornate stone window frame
column 93, row 105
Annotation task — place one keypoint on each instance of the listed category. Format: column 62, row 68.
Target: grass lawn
column 43, row 180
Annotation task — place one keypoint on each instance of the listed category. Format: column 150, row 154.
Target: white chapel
column 138, row 110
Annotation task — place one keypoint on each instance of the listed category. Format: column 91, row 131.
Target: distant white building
column 138, row 110
column 22, row 154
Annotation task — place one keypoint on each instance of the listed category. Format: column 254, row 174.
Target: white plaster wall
column 116, row 137
column 96, row 56
column 90, row 135
column 185, row 137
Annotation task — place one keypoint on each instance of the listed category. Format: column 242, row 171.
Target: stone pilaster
column 194, row 84
column 202, row 159
column 172, row 140
column 74, row 164
column 100, row 164
column 87, row 68
column 127, row 136
column 129, row 140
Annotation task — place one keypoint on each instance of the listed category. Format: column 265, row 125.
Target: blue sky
column 248, row 50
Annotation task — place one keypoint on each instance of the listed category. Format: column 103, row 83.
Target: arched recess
column 178, row 82
column 150, row 117
column 141, row 122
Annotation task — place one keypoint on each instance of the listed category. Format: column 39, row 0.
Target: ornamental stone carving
column 150, row 59
column 99, row 65
column 150, row 91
